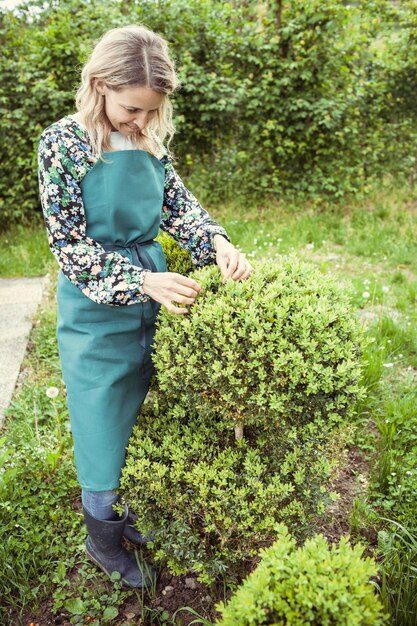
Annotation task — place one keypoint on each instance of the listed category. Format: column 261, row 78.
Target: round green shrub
column 210, row 501
column 277, row 356
column 312, row 584
column 282, row 345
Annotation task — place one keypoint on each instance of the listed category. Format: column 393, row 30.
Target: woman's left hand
column 232, row 263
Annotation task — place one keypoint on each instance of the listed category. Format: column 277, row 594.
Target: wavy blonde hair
column 128, row 56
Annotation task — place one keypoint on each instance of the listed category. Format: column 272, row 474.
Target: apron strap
column 142, row 259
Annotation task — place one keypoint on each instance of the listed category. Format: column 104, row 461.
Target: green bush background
column 318, row 102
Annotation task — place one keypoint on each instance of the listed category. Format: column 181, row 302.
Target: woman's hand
column 165, row 287
column 232, row 263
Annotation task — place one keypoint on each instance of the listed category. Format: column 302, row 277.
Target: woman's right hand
column 165, row 287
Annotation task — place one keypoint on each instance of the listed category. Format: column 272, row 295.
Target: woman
column 107, row 184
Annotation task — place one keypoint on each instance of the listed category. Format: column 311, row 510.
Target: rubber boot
column 131, row 533
column 104, row 547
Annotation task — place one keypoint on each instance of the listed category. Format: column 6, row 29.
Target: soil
column 349, row 483
column 173, row 592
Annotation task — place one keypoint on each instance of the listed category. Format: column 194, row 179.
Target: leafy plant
column 311, row 584
column 253, row 392
column 278, row 349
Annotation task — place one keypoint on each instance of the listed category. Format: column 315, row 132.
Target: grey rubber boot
column 103, row 546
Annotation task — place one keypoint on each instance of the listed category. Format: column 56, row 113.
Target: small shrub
column 312, row 584
column 282, row 344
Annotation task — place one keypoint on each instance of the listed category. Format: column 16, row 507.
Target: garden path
column 19, row 300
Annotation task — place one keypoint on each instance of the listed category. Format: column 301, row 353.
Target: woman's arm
column 186, row 221
column 104, row 277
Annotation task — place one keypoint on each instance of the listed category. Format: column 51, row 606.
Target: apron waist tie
column 141, row 258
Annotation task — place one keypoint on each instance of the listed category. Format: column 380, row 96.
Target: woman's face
column 130, row 109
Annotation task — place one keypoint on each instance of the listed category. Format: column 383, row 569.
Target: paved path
column 19, row 300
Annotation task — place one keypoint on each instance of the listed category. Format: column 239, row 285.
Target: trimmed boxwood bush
column 282, row 346
column 312, row 584
column 252, row 392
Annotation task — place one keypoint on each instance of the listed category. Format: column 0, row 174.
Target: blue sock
column 99, row 503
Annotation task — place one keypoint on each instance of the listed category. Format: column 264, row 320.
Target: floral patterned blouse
column 64, row 158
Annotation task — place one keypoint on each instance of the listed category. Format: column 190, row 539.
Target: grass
column 25, row 251
column 398, row 549
column 373, row 244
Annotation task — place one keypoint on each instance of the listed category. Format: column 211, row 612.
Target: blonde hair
column 128, row 56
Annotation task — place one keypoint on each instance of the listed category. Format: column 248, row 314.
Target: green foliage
column 37, row 485
column 322, row 105
column 278, row 354
column 397, row 550
column 178, row 259
column 389, row 432
column 394, row 476
column 281, row 346
column 312, row 584
column 211, row 502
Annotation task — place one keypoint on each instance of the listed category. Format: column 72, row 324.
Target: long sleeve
column 103, row 276
column 186, row 221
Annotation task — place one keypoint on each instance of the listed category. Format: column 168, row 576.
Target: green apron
column 105, row 351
